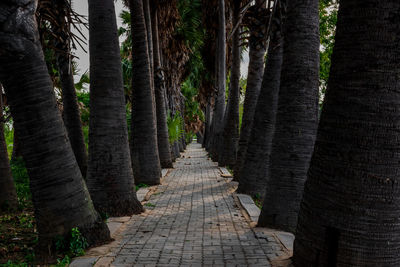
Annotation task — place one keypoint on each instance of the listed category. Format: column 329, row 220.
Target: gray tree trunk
column 145, row 157
column 110, row 177
column 71, row 112
column 59, row 193
column 164, row 148
column 297, row 117
column 219, row 106
column 350, row 209
column 254, row 172
column 257, row 48
column 230, row 132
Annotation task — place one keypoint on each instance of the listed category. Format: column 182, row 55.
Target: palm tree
column 145, row 157
column 254, row 172
column 164, row 148
column 350, row 209
column 110, row 177
column 219, row 106
column 296, row 119
column 56, row 26
column 230, row 132
column 59, row 193
column 257, row 47
column 8, row 195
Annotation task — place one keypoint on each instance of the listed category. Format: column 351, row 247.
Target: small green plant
column 78, row 243
column 148, row 204
column 141, row 185
column 63, row 262
column 14, row 264
column 257, row 200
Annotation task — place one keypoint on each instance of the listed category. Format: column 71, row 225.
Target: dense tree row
column 328, row 173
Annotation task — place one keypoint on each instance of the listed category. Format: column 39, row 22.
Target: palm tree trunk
column 110, row 177
column 230, row 134
column 59, row 193
column 164, row 148
column 296, row 119
column 71, row 113
column 219, row 106
column 254, row 172
column 207, row 127
column 8, row 195
column 145, row 157
column 257, row 48
column 349, row 213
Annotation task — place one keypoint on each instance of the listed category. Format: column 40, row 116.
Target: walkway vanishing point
column 193, row 218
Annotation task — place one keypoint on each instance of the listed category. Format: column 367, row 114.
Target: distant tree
column 144, row 147
column 257, row 22
column 254, row 173
column 230, row 128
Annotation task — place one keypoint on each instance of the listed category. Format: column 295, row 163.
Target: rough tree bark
column 219, row 106
column 164, row 148
column 257, row 49
column 230, row 132
column 254, row 172
column 110, row 177
column 59, row 193
column 8, row 195
column 145, row 157
column 297, row 117
column 71, row 112
column 350, row 211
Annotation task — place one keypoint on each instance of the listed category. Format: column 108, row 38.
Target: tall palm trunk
column 71, row 113
column 145, row 157
column 219, row 106
column 8, row 195
column 110, row 176
column 254, row 172
column 164, row 148
column 207, row 127
column 230, row 134
column 59, row 193
column 296, row 119
column 350, row 210
column 257, row 48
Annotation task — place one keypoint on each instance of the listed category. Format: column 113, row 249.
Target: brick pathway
column 193, row 220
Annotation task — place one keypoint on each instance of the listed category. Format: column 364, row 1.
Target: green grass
column 148, row 204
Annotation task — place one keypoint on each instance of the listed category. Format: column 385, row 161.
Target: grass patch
column 148, row 204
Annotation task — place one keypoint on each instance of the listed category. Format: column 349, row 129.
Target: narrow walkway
column 193, row 220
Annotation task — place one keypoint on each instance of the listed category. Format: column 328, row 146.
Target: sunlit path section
column 192, row 219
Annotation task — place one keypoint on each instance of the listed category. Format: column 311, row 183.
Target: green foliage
column 72, row 246
column 83, row 81
column 78, row 243
column 190, row 27
column 192, row 107
column 21, row 180
column 63, row 262
column 175, row 127
column 328, row 18
column 9, row 136
column 10, row 263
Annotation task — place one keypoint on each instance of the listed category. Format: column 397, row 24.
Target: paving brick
column 194, row 222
